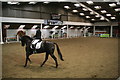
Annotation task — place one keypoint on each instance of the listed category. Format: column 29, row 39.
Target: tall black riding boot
column 34, row 49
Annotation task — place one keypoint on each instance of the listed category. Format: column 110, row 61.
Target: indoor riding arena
column 85, row 35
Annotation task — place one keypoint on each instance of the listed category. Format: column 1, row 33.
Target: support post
column 1, row 37
column 41, row 26
column 41, row 30
column 67, row 31
column 17, row 38
column 93, row 30
column 1, row 40
column 111, row 31
column 84, row 32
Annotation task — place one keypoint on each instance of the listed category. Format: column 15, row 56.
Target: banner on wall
column 55, row 16
column 53, row 22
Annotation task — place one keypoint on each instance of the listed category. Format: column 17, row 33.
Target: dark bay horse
column 46, row 46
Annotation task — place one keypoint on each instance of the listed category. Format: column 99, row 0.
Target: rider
column 38, row 37
column 38, row 34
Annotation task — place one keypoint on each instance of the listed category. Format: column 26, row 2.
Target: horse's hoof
column 62, row 59
column 41, row 66
column 24, row 66
column 56, row 67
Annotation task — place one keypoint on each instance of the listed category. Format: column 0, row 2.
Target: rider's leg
column 34, row 49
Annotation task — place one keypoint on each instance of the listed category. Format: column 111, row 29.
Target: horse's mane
column 28, row 37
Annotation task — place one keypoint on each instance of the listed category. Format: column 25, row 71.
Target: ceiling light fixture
column 108, row 14
column 87, row 16
column 6, row 26
column 46, row 2
column 117, row 9
column 63, row 27
column 85, row 9
column 103, row 11
column 13, row 2
column 97, row 15
column 46, row 27
column 102, row 18
column 92, row 12
column 113, row 18
column 72, row 27
column 55, row 27
column 112, row 5
column 89, row 2
column 97, row 7
column 34, row 26
column 21, row 26
column 93, row 19
column 32, row 3
column 75, row 11
column 82, row 14
column 77, row 5
column 89, row 27
column 67, row 7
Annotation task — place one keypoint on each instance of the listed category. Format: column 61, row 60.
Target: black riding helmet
column 38, row 27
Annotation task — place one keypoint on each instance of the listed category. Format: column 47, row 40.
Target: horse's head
column 21, row 33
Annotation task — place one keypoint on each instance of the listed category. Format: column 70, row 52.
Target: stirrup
column 35, row 52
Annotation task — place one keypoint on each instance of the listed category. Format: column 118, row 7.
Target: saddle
column 36, row 44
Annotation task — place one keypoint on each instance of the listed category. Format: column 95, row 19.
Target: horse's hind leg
column 29, row 60
column 46, row 58
column 53, row 56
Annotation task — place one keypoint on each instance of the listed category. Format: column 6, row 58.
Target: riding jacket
column 38, row 35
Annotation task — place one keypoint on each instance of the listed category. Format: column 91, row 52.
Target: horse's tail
column 59, row 52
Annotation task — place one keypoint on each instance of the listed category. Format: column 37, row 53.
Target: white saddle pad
column 35, row 41
column 38, row 45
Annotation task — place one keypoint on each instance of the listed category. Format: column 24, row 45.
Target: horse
column 46, row 47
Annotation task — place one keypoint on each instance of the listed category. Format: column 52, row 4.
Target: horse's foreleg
column 52, row 55
column 27, row 58
column 26, row 62
column 46, row 58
